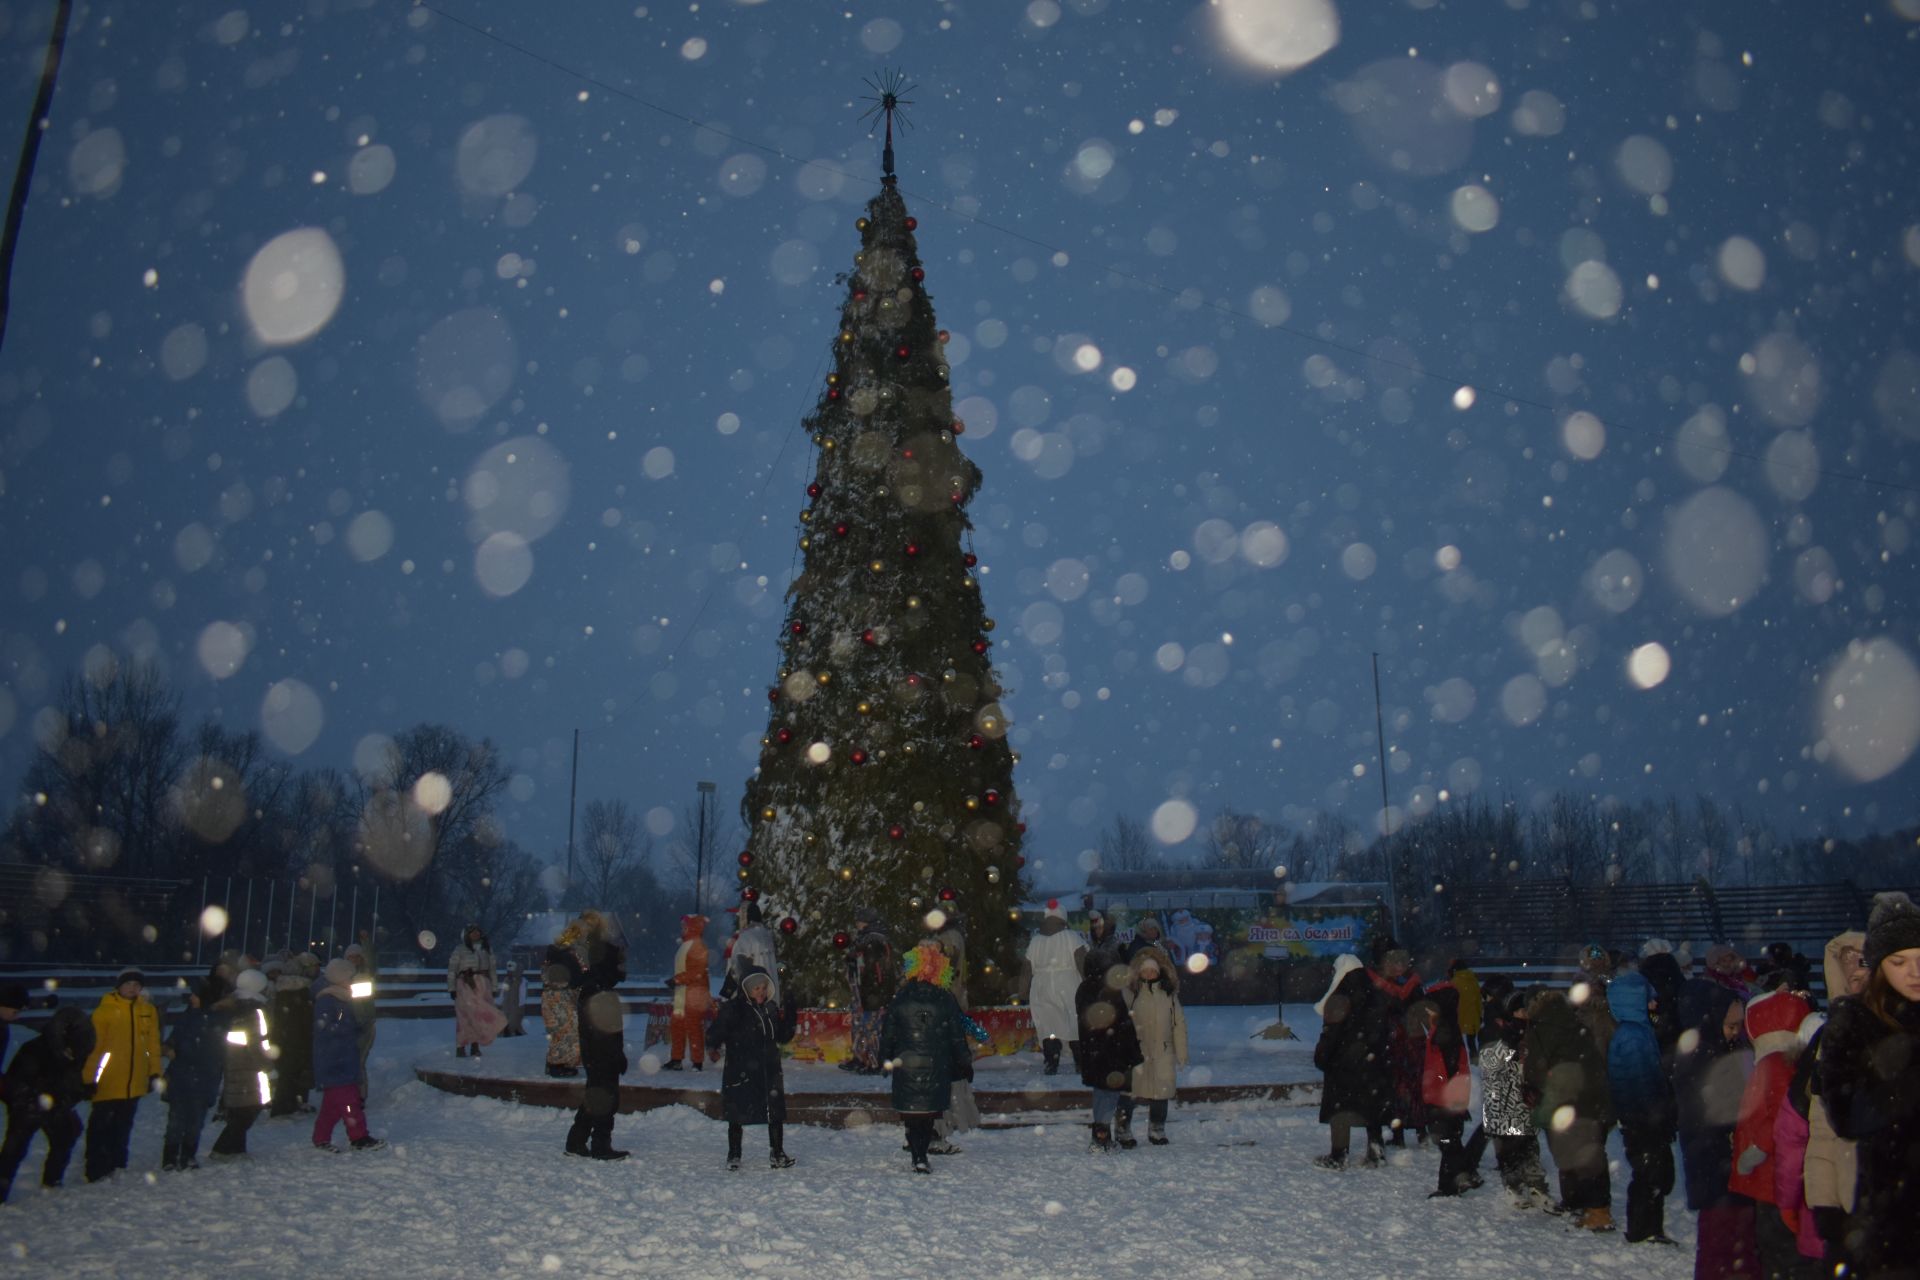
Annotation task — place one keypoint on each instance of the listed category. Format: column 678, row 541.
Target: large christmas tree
column 886, row 778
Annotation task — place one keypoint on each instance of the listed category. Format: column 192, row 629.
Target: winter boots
column 1335, row 1160
column 1050, row 1053
column 369, row 1143
column 1157, row 1135
column 779, row 1160
column 1123, row 1133
column 1102, row 1138
column 1596, row 1219
column 671, row 1064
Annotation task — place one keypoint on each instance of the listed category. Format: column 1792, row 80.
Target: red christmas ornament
column 857, row 756
column 746, row 859
column 841, row 941
column 798, row 628
column 913, row 682
column 868, row 637
column 789, row 925
column 813, row 490
column 833, row 393
column 991, row 797
column 859, row 295
column 945, row 336
column 969, row 559
column 912, row 223
column 913, row 549
column 959, row 427
column 842, row 529
column 750, row 893
column 919, row 274
column 1021, row 827
column 906, row 453
column 976, row 742
column 903, row 351
column 785, row 736
column 896, row 832
column 948, row 895
column 773, row 695
column 1019, row 860
column 959, row 498
column 979, row 646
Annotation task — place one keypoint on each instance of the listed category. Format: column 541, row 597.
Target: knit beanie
column 1054, row 912
column 1894, row 925
column 339, row 971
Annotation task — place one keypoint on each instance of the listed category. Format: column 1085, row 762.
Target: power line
column 1221, row 308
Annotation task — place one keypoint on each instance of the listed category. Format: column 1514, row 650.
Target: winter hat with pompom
column 1894, row 925
column 1054, row 912
column 339, row 971
column 251, row 982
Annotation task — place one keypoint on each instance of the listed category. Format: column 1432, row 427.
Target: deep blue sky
column 1653, row 215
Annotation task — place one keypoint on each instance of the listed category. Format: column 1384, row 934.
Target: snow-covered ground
column 474, row 1187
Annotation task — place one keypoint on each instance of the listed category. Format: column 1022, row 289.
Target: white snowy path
column 473, row 1187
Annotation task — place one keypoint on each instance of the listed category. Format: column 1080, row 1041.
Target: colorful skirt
column 560, row 1010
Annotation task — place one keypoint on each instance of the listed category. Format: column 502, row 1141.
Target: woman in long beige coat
column 1153, row 999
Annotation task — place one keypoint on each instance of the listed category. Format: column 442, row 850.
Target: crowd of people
column 1798, row 1129
column 249, row 1037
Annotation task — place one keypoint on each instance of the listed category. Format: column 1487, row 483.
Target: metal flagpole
column 572, row 793
column 246, row 921
column 266, row 933
column 1386, row 848
column 353, row 913
column 228, row 908
column 333, row 918
column 313, row 909
column 199, row 930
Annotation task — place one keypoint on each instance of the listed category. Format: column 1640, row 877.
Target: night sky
column 365, row 369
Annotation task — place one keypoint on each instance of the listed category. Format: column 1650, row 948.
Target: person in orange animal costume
column 692, row 991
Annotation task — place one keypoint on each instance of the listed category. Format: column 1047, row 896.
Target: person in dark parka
column 1643, row 1103
column 747, row 1034
column 196, row 1049
column 1109, row 1046
column 44, row 1091
column 924, row 1042
column 603, row 1050
column 1661, row 969
column 1445, row 1085
column 1869, row 1077
column 1709, row 1078
column 1566, row 1069
column 1353, row 1054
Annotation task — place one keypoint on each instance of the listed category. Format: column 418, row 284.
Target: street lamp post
column 706, row 789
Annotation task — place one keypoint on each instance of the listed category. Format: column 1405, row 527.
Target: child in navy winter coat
column 336, row 1059
column 197, row 1053
column 1643, row 1104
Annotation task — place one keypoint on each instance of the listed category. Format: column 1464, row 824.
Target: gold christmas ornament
column 919, row 806
column 846, row 873
column 973, row 803
column 826, row 444
column 865, row 708
column 825, row 677
column 769, row 813
column 805, row 543
column 877, row 566
column 986, row 624
column 913, row 602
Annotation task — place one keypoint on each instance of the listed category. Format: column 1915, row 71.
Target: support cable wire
column 29, row 154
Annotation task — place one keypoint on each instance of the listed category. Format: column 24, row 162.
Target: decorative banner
column 825, row 1035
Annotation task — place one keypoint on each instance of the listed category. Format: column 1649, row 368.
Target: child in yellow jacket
column 121, row 1070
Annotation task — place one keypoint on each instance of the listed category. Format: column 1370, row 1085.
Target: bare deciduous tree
column 1125, row 846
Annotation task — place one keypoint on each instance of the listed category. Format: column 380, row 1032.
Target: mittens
column 1750, row 1159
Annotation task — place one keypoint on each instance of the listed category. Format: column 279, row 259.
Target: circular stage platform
column 1229, row 1063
